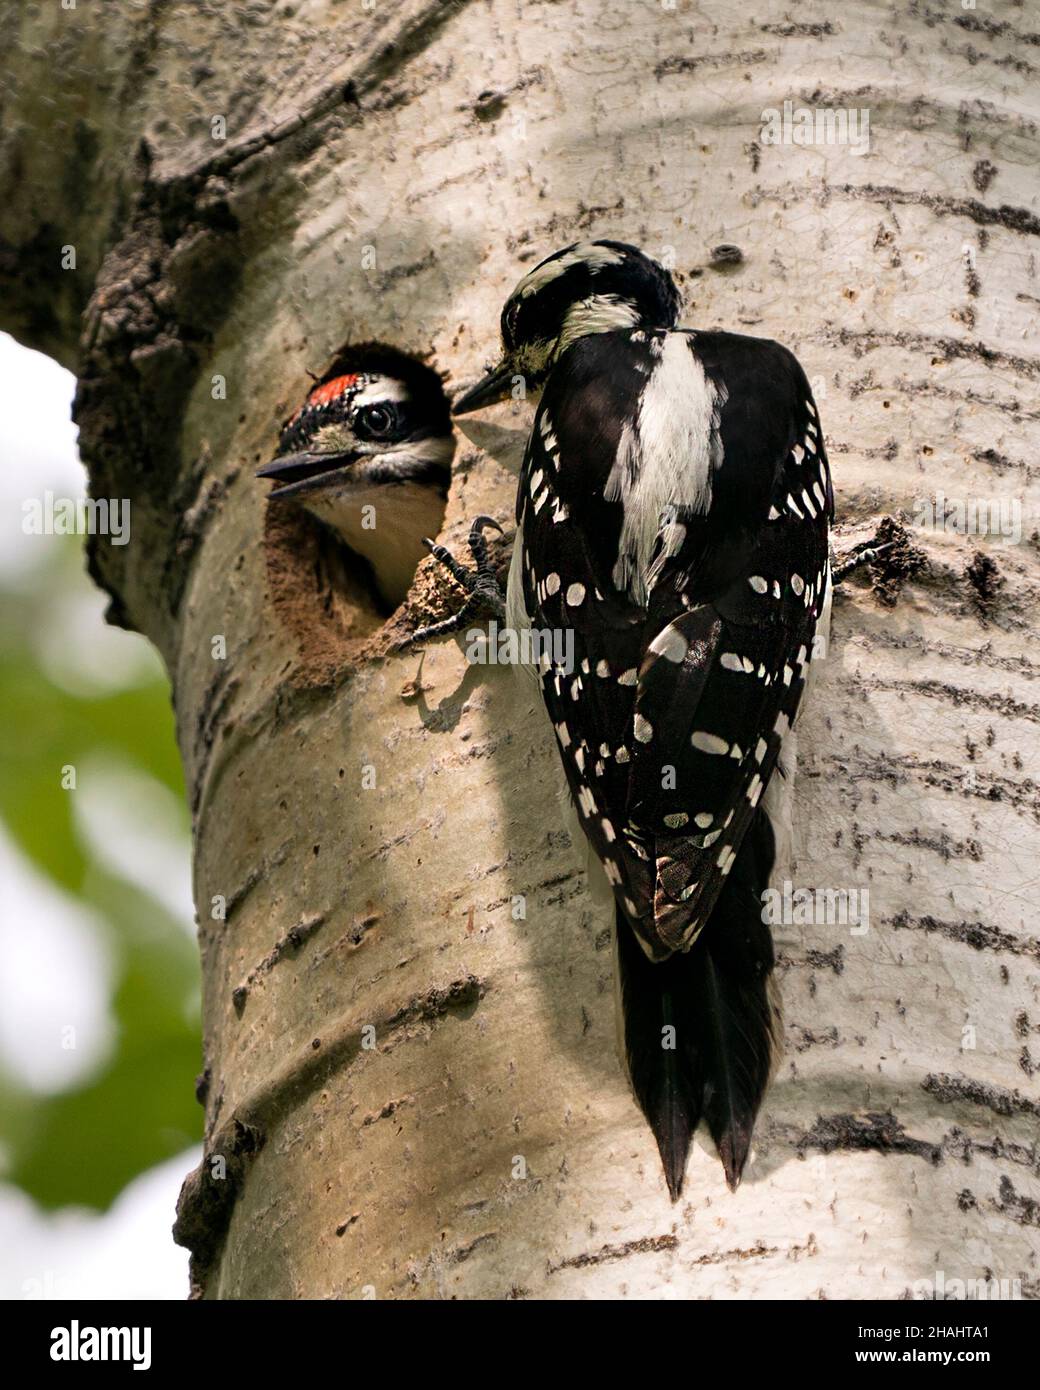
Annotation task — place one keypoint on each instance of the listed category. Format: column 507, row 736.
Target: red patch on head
column 329, row 390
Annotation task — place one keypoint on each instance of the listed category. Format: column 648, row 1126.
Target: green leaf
column 84, row 1145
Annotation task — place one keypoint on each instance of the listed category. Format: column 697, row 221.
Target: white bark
column 473, row 139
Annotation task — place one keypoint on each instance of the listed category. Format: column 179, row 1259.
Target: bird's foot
column 484, row 593
column 856, row 559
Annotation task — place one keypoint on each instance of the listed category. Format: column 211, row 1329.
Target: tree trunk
column 413, row 1086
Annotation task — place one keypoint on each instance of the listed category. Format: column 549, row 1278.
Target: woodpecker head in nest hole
column 369, row 454
column 590, row 287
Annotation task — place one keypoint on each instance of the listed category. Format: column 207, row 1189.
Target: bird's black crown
column 609, row 270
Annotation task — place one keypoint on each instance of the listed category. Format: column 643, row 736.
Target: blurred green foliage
column 83, row 1145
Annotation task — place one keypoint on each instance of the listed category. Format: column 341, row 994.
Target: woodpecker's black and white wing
column 674, row 505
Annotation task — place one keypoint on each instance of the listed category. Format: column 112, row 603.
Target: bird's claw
column 857, row 559
column 484, row 593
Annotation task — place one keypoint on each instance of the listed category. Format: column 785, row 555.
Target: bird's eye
column 509, row 320
column 376, row 421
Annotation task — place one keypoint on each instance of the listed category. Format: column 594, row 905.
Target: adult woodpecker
column 673, row 512
column 369, row 454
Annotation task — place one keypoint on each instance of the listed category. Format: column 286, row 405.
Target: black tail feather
column 717, row 998
column 657, row 1002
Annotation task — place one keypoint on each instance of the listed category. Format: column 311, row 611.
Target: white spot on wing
column 670, row 644
column 709, row 743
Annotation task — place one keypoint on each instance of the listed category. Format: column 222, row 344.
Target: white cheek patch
column 434, row 448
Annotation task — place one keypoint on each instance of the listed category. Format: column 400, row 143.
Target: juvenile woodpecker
column 369, row 454
column 673, row 512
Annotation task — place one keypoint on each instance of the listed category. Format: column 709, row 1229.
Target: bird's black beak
column 494, row 387
column 301, row 472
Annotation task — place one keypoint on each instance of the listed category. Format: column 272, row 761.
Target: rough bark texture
column 462, row 141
